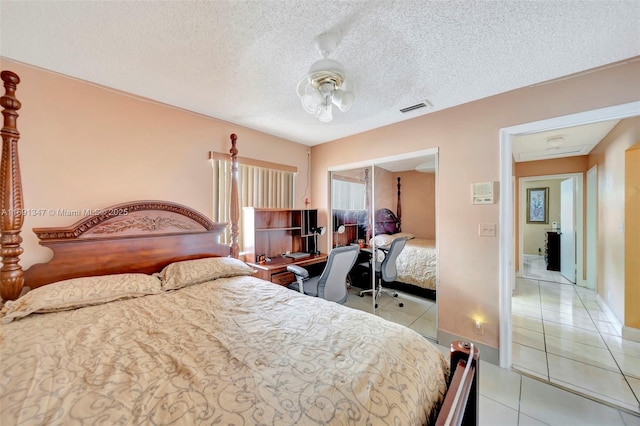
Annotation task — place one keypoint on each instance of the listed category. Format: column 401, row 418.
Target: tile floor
column 564, row 335
column 418, row 313
column 507, row 398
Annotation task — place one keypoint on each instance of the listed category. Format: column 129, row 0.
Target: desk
column 362, row 271
column 275, row 270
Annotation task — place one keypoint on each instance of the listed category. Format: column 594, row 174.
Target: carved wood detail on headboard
column 127, row 217
column 134, row 237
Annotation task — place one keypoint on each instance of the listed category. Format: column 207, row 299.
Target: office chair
column 386, row 270
column 332, row 283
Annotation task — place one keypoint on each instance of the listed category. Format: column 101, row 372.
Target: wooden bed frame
column 144, row 236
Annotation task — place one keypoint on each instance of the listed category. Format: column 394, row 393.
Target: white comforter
column 230, row 351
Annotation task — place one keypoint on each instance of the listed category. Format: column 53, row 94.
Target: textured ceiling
column 567, row 142
column 240, row 61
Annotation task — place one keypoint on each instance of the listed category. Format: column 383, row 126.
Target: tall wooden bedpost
column 367, row 204
column 235, row 202
column 11, row 274
column 399, row 208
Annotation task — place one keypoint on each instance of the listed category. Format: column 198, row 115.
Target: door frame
column 591, row 228
column 506, row 243
column 569, row 191
column 578, row 204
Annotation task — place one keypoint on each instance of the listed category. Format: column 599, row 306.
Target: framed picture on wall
column 538, row 205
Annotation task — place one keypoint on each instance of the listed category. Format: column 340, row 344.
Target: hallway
column 563, row 335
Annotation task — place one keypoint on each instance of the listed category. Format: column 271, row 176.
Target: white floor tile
column 568, row 319
column 592, row 305
column 530, row 323
column 525, row 420
column 618, row 344
column 630, row 419
column 532, row 301
column 597, row 382
column 410, row 305
column 526, row 310
column 492, row 413
column 526, row 337
column 529, row 360
column 597, row 315
column 500, row 384
column 635, row 386
column 583, row 345
column 597, row 357
column 608, row 328
column 524, row 282
column 554, row 406
column 575, row 334
column 630, row 365
column 424, row 326
column 394, row 315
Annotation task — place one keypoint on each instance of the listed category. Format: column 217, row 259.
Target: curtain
column 257, row 187
column 347, row 195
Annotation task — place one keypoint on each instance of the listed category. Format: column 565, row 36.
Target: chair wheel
column 395, row 295
column 401, row 304
column 376, row 306
column 361, row 295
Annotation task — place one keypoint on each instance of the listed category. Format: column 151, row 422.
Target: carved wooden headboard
column 138, row 236
column 385, row 221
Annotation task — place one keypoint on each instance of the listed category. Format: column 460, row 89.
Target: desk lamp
column 320, row 230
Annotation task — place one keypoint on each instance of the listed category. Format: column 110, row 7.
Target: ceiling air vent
column 423, row 104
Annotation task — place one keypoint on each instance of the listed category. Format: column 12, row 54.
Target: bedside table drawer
column 283, row 278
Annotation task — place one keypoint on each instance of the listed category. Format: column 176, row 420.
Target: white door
column 567, row 232
column 592, row 208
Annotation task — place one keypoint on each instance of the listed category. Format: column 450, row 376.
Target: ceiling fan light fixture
column 325, row 85
column 343, row 99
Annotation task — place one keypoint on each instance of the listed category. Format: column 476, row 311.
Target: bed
column 143, row 317
column 417, row 262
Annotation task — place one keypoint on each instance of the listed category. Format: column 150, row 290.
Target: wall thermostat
column 482, row 193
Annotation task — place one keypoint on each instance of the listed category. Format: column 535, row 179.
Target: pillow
column 386, row 239
column 188, row 272
column 78, row 292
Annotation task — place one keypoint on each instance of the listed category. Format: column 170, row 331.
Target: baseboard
column 487, row 353
column 608, row 310
column 630, row 333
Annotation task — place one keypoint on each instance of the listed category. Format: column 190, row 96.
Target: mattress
column 230, row 351
column 416, row 263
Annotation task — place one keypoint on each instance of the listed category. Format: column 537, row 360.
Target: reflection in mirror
column 404, row 205
column 373, row 205
column 350, row 204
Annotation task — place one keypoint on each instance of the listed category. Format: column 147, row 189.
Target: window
column 260, row 184
column 347, row 195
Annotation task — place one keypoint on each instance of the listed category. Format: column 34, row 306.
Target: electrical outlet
column 478, row 328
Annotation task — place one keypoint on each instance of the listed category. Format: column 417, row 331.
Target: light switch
column 487, row 229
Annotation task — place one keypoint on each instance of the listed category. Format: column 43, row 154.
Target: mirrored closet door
column 393, row 199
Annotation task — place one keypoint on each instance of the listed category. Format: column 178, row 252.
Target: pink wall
column 609, row 156
column 418, row 203
column 84, row 147
column 467, row 137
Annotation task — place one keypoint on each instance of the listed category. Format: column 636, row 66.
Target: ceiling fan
column 326, row 83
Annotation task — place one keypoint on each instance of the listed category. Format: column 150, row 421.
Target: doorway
column 585, row 364
column 553, row 246
column 507, row 208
